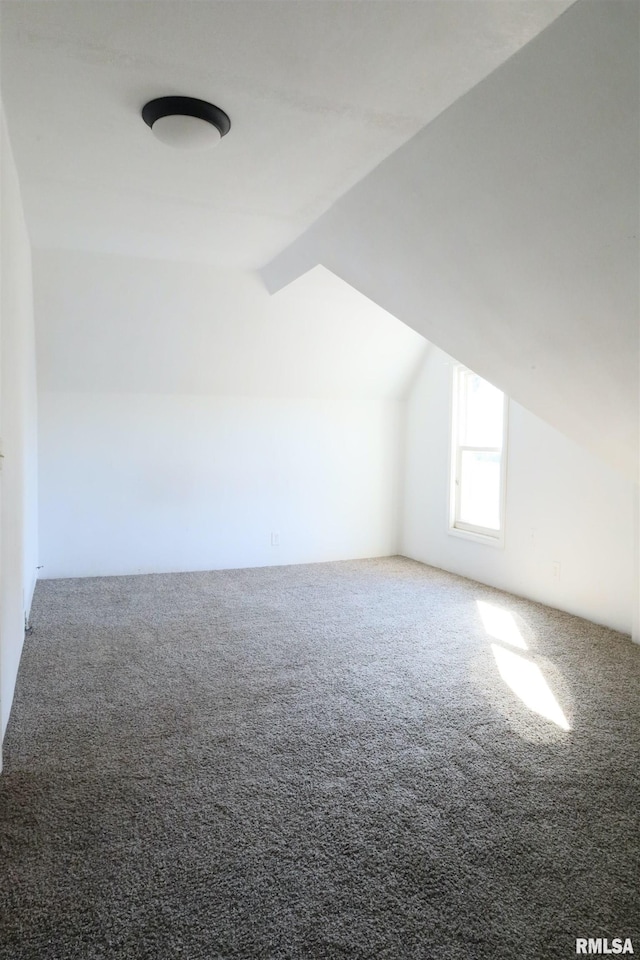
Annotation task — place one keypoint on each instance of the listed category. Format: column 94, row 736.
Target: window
column 478, row 457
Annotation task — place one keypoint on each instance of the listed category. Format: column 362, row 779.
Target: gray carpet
column 319, row 761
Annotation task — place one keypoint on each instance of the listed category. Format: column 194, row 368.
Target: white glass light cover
column 185, row 133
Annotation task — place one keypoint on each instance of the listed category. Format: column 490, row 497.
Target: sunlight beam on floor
column 500, row 624
column 527, row 682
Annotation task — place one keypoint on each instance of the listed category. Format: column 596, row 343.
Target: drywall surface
column 187, row 416
column 18, row 477
column 506, row 231
column 562, row 505
column 112, row 324
column 636, row 606
column 317, row 93
column 139, row 483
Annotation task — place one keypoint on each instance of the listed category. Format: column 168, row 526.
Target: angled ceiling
column 318, row 93
column 506, row 231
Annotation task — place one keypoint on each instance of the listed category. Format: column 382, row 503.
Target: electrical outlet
column 555, row 570
column 275, row 539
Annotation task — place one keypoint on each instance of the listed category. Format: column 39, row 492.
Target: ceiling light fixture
column 185, row 122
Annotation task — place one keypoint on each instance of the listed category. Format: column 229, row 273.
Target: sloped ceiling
column 318, row 93
column 506, row 231
column 472, row 167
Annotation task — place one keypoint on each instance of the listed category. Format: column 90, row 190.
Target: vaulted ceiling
column 470, row 166
column 318, row 94
column 506, row 231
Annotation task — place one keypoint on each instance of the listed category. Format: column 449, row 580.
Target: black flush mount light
column 185, row 122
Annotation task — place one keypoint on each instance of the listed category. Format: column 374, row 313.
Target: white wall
column 133, row 483
column 636, row 567
column 18, row 479
column 186, row 415
column 563, row 504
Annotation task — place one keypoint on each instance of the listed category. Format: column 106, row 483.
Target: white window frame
column 456, row 527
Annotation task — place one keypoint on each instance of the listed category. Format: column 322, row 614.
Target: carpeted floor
column 321, row 761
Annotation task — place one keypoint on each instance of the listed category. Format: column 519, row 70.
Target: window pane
column 480, row 489
column 482, row 413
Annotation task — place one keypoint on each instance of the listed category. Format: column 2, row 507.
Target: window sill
column 486, row 539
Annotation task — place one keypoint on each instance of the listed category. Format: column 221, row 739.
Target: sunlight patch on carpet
column 528, row 683
column 500, row 624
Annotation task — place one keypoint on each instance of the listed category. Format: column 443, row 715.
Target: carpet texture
column 319, row 761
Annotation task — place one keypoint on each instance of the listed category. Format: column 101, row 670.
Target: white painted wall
column 186, row 415
column 563, row 504
column 129, row 325
column 636, row 606
column 135, row 483
column 18, row 478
